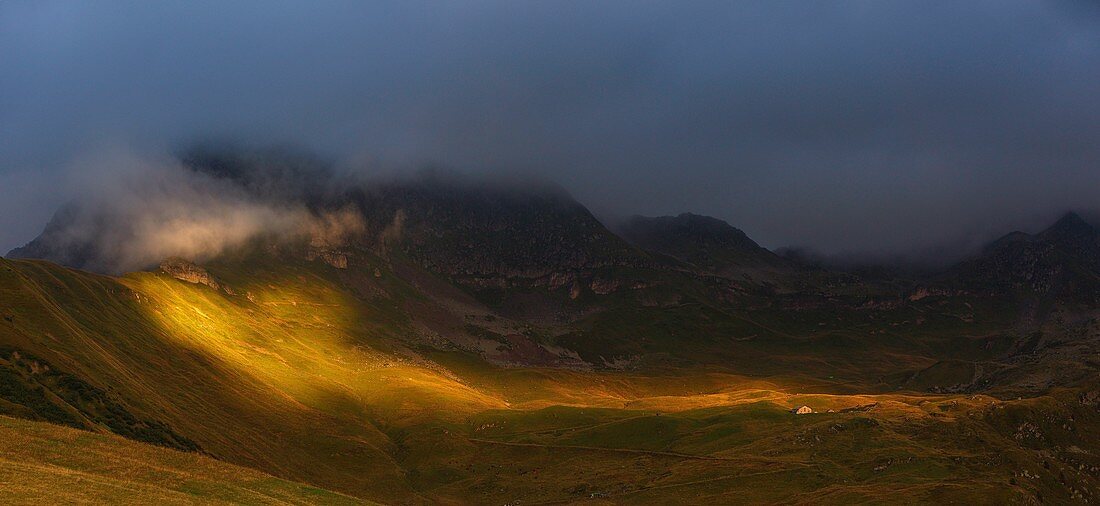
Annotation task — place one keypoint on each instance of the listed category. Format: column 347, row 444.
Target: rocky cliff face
column 1062, row 261
column 490, row 234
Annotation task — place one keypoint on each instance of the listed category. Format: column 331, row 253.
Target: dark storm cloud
column 874, row 127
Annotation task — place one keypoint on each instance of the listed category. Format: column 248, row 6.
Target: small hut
column 802, row 410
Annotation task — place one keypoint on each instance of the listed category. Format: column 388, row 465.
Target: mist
column 869, row 128
column 137, row 210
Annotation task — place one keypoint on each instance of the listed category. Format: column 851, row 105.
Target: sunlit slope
column 278, row 377
column 325, row 376
column 42, row 463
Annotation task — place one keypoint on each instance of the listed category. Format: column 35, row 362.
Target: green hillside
column 380, row 382
column 41, row 463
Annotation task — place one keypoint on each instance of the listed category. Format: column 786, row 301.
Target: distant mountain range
column 486, row 235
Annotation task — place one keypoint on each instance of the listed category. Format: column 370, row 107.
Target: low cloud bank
column 138, row 210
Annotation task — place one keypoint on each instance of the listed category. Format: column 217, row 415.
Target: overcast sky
column 867, row 126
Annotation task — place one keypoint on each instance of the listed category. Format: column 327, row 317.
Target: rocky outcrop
column 184, row 270
column 332, row 258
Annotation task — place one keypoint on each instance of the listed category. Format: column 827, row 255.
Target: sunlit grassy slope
column 279, row 377
column 325, row 377
column 41, row 463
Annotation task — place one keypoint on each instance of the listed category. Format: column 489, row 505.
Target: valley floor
column 733, row 447
column 747, row 447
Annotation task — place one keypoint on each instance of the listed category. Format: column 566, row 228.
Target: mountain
column 1061, row 262
column 707, row 243
column 479, row 233
column 453, row 340
column 489, row 234
column 477, row 230
column 57, row 244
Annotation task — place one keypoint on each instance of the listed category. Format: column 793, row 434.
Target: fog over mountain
column 870, row 128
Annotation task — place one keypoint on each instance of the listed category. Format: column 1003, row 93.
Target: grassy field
column 320, row 376
column 42, row 463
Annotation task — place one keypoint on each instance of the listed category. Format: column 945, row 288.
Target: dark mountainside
column 1062, row 261
column 445, row 338
column 707, row 243
column 57, row 245
column 482, row 234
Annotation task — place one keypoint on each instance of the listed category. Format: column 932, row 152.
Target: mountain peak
column 687, row 227
column 1070, row 224
column 704, row 241
column 1063, row 260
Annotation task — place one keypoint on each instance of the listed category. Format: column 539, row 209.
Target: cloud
column 138, row 210
column 866, row 126
column 337, row 228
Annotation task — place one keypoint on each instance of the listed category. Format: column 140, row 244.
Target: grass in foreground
column 41, row 463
